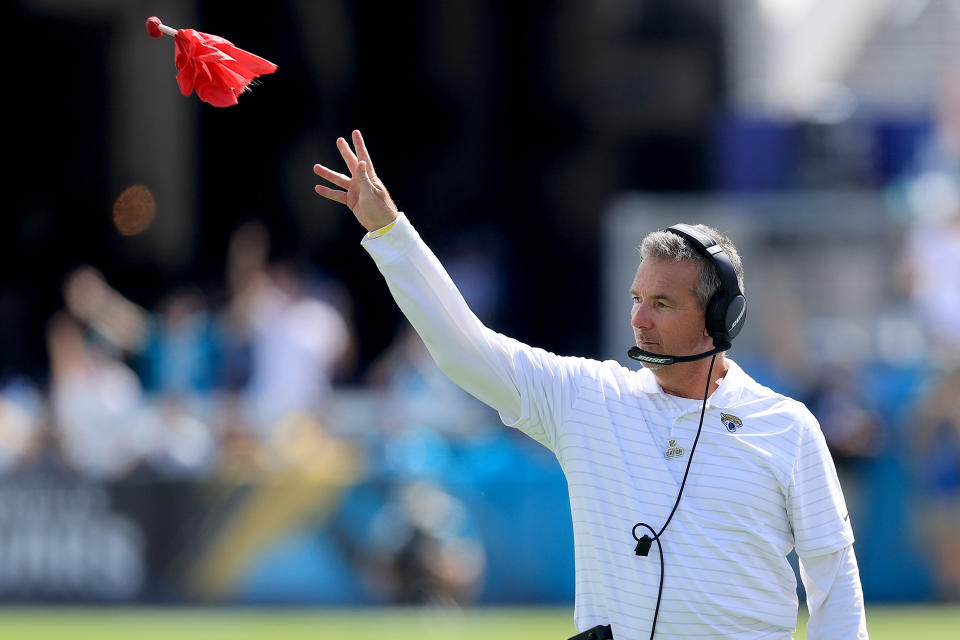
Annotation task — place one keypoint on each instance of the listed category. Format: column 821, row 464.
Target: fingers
column 332, row 176
column 331, row 194
column 360, row 168
column 362, row 152
column 336, row 178
column 347, row 154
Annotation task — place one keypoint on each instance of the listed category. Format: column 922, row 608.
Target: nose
column 639, row 318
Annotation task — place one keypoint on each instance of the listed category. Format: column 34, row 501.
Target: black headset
column 727, row 308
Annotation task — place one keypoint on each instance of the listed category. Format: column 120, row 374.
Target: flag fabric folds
column 213, row 67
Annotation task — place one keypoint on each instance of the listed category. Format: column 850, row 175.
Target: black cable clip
column 644, row 543
column 643, row 546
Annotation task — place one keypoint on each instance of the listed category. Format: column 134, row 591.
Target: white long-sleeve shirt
column 762, row 482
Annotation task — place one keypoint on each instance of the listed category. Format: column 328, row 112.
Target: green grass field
column 885, row 623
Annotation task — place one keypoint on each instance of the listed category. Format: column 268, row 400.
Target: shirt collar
column 730, row 390
column 727, row 393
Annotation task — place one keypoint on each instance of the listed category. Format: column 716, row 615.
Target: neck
column 687, row 379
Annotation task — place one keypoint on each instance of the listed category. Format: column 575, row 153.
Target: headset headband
column 709, row 249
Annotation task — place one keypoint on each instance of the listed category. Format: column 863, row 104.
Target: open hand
column 362, row 191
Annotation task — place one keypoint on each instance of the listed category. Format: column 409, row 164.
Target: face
column 665, row 315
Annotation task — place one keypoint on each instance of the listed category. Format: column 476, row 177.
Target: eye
column 636, row 299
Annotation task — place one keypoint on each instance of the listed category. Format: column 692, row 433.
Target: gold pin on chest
column 673, row 450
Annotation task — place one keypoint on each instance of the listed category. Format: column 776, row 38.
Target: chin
column 652, row 366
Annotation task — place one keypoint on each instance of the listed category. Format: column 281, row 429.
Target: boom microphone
column 658, row 358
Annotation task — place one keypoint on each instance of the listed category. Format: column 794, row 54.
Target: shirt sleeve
column 525, row 385
column 815, row 504
column 834, row 596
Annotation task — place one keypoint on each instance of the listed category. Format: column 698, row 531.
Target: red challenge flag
column 210, row 65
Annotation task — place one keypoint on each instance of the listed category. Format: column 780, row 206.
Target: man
column 763, row 482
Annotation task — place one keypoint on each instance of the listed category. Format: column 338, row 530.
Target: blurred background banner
column 293, row 541
column 207, row 395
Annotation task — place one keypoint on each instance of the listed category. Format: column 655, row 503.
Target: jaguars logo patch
column 731, row 422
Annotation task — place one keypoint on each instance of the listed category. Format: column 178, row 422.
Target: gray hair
column 669, row 246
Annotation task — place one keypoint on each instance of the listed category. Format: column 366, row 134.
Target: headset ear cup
column 727, row 308
column 716, row 316
column 733, row 317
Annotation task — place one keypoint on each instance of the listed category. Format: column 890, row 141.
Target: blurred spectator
column 931, row 195
column 855, row 432
column 933, row 271
column 936, row 449
column 95, row 399
column 181, row 350
column 852, row 428
column 116, row 319
column 176, row 351
column 298, row 343
column 427, row 547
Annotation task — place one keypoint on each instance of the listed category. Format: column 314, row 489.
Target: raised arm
column 522, row 383
column 362, row 191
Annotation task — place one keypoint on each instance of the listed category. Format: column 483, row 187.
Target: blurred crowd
column 185, row 390
column 931, row 277
column 245, row 392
